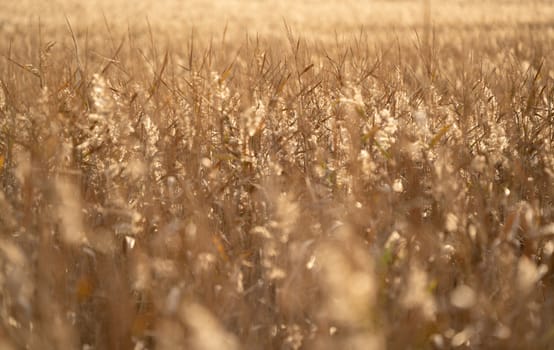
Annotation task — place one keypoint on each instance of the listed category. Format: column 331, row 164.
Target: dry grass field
column 251, row 174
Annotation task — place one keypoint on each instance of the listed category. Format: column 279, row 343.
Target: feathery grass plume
column 3, row 98
column 70, row 213
column 528, row 274
column 463, row 297
column 253, row 118
column 417, row 294
column 7, row 213
column 343, row 265
column 206, row 331
column 387, row 127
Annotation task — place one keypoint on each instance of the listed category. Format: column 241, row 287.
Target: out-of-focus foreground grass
column 276, row 175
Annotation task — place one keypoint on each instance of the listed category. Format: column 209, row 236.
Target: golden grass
column 180, row 182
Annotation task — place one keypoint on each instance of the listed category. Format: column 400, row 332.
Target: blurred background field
column 314, row 19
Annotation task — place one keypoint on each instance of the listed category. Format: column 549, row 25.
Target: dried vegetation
column 370, row 191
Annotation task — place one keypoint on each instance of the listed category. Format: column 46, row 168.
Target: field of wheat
column 251, row 174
